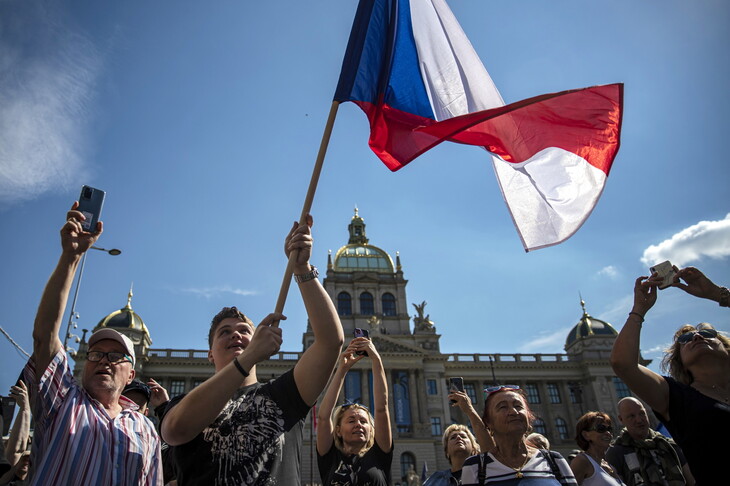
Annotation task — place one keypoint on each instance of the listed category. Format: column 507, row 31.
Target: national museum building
column 369, row 292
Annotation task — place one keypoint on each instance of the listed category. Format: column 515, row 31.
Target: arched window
column 562, row 428
column 367, row 307
column 388, row 302
column 407, row 461
column 344, row 304
column 539, row 426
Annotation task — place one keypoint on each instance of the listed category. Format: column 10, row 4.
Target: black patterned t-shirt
column 247, row 444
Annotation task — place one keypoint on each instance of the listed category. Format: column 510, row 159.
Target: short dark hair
column 585, row 423
column 225, row 313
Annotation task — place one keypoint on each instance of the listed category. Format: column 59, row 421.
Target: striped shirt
column 76, row 442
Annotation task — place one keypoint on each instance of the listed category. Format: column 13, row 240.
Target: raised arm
column 325, row 427
column 199, row 408
column 383, row 434
column 18, row 440
column 74, row 242
column 484, row 438
column 647, row 385
column 315, row 366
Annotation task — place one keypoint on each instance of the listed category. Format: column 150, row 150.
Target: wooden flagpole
column 307, row 203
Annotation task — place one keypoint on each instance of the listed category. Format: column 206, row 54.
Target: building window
column 533, row 394
column 471, row 391
column 366, row 304
column 344, row 304
column 436, row 426
column 622, row 391
column 432, row 387
column 407, row 462
column 353, row 390
column 177, row 387
column 539, row 426
column 401, row 402
column 576, row 392
column 197, row 382
column 388, row 302
column 553, row 392
column 562, row 428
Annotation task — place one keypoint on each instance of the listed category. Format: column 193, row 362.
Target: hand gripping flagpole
column 307, row 205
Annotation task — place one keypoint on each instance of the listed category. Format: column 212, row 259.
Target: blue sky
column 202, row 122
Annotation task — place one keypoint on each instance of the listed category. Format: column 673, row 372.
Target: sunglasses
column 349, row 404
column 688, row 336
column 113, row 357
column 491, row 389
column 601, row 428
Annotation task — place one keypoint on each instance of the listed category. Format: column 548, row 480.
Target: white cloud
column 704, row 239
column 208, row 292
column 47, row 77
column 546, row 342
column 609, row 271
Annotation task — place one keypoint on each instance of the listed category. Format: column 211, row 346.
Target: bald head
column 632, row 414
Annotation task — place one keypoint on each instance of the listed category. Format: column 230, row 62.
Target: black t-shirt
column 372, row 469
column 247, row 443
column 701, row 426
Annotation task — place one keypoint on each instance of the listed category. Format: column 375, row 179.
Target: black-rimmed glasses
column 113, row 356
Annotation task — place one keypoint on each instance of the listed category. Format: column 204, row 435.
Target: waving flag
column 414, row 73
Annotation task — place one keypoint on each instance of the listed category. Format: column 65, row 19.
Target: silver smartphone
column 665, row 270
column 91, row 200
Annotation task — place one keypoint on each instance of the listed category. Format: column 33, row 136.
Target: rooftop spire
column 357, row 230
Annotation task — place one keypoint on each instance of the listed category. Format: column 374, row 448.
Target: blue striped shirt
column 75, row 440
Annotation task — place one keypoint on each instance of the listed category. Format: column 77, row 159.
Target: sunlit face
column 508, row 413
column 230, row 338
column 690, row 352
column 599, row 434
column 354, row 427
column 633, row 416
column 458, row 443
column 103, row 376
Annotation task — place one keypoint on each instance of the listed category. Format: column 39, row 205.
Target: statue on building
column 412, row 478
column 374, row 324
column 421, row 322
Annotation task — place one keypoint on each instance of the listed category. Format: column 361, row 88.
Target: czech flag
column 412, row 70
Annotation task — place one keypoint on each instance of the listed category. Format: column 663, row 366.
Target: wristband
column 724, row 297
column 641, row 318
column 240, row 368
column 310, row 275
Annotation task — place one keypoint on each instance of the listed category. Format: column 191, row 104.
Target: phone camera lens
column 87, row 193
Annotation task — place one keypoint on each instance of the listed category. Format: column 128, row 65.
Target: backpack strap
column 484, row 459
column 550, row 458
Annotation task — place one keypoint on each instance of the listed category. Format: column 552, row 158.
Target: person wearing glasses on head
column 593, row 433
column 353, row 448
column 695, row 398
column 513, row 460
column 85, row 433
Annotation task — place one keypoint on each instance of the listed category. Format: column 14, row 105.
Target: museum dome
column 589, row 326
column 124, row 318
column 358, row 254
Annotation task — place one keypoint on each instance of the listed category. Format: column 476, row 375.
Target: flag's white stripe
column 549, row 195
column 455, row 78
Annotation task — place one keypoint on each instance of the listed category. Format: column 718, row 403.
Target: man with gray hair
column 643, row 456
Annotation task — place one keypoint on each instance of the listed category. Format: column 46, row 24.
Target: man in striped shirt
column 88, row 434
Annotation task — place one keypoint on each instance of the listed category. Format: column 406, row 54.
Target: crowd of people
column 112, row 428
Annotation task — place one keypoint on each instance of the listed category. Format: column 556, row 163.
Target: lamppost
column 113, row 252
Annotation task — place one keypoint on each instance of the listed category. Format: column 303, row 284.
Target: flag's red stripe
column 586, row 122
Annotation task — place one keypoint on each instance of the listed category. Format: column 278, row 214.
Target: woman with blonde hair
column 695, row 399
column 593, row 433
column 459, row 443
column 353, row 448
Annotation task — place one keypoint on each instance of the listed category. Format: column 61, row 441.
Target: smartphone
column 91, row 201
column 456, row 383
column 361, row 333
column 666, row 271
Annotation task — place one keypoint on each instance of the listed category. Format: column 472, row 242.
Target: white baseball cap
column 114, row 336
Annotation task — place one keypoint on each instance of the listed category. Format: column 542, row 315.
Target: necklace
column 717, row 391
column 518, row 470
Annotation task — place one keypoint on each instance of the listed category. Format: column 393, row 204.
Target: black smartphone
column 456, row 383
column 361, row 333
column 91, row 200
